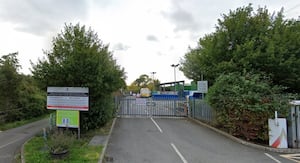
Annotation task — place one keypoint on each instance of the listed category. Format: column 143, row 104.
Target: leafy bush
column 243, row 104
column 59, row 140
column 101, row 111
column 31, row 99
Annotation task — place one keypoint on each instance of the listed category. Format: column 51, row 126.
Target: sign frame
column 202, row 86
column 67, row 118
column 68, row 98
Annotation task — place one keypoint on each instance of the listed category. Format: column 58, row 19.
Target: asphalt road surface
column 177, row 140
column 12, row 140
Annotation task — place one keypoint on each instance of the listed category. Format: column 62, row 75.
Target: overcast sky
column 144, row 35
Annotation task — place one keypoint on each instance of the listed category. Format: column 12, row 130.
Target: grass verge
column 36, row 150
column 7, row 126
column 80, row 151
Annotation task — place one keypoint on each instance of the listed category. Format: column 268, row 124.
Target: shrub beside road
column 36, row 149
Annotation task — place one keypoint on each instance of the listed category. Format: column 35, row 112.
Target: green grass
column 36, row 151
column 7, row 126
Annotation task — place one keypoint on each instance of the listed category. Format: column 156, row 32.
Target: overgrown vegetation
column 80, row 151
column 252, row 62
column 244, row 102
column 37, row 149
column 78, row 58
column 20, row 98
column 59, row 140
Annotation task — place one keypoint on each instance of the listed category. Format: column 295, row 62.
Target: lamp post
column 175, row 65
column 153, row 79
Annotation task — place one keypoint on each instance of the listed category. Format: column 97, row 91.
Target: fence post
column 194, row 107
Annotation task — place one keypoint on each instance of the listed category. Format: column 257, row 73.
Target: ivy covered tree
column 78, row 58
column 252, row 41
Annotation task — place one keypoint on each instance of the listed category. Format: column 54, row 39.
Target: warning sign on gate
column 141, row 101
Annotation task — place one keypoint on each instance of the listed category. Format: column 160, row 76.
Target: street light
column 153, row 79
column 175, row 65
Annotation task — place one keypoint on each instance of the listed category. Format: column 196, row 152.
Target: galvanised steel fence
column 200, row 110
column 132, row 106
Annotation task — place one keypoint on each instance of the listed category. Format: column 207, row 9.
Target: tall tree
column 252, row 41
column 9, row 81
column 20, row 98
column 142, row 81
column 31, row 99
column 78, row 58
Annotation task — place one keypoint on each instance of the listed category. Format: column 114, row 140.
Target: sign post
column 68, row 101
column 202, row 87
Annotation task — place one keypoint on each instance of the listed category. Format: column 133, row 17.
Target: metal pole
column 153, row 79
column 175, row 74
column 175, row 79
column 202, row 94
column 175, row 65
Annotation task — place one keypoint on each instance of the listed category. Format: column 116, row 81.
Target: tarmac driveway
column 177, row 140
column 12, row 140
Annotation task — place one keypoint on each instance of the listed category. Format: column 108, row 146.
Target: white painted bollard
column 277, row 132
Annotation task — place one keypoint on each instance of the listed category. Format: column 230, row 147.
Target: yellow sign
column 67, row 118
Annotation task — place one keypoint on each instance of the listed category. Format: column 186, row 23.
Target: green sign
column 67, row 118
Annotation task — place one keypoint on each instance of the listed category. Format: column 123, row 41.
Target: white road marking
column 271, row 157
column 294, row 157
column 160, row 130
column 2, row 146
column 178, row 153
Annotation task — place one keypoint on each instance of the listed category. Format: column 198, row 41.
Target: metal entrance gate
column 131, row 106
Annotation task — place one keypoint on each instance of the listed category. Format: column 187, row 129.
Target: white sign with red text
column 68, row 98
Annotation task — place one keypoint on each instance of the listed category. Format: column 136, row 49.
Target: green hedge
column 243, row 103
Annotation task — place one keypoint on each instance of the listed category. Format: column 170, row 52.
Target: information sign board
column 202, row 86
column 67, row 118
column 68, row 98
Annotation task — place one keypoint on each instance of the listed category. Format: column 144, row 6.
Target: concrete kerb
column 22, row 150
column 261, row 147
column 106, row 142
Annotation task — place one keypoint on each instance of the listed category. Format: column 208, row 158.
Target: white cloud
column 181, row 18
column 120, row 47
column 39, row 17
column 145, row 36
column 152, row 38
